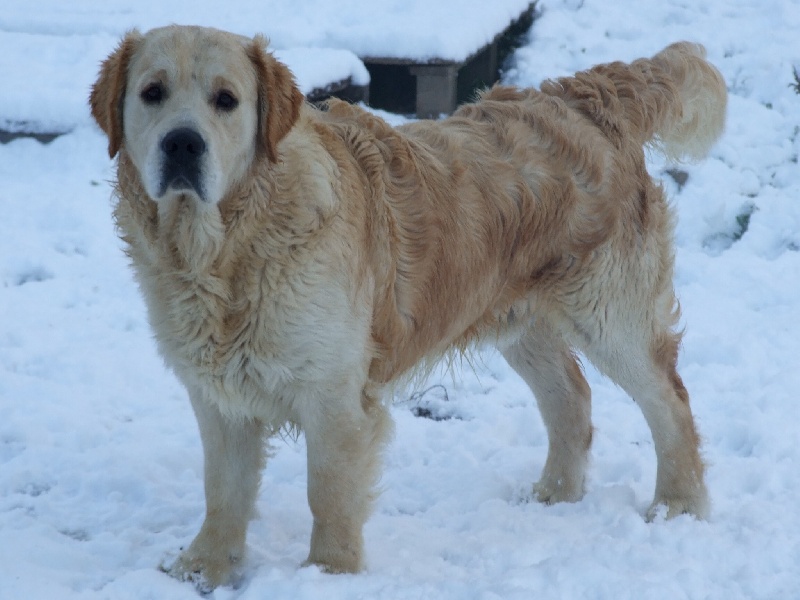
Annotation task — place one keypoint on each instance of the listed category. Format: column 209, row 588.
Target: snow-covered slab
column 47, row 77
column 316, row 69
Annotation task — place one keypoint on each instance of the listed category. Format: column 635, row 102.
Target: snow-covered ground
column 100, row 460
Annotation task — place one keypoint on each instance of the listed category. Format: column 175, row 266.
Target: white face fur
column 190, row 115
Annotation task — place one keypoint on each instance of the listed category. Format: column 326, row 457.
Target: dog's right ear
column 108, row 92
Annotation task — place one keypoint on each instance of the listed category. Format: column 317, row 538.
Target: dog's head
column 193, row 108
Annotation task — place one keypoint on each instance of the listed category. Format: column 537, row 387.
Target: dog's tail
column 674, row 101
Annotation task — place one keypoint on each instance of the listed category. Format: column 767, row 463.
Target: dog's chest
column 256, row 342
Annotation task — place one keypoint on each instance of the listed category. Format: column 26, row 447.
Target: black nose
column 181, row 167
column 183, row 145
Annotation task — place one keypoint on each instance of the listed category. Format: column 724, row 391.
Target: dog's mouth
column 178, row 179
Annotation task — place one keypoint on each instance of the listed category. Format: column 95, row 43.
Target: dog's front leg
column 345, row 438
column 234, row 457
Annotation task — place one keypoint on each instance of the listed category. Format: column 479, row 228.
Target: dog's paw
column 552, row 492
column 205, row 571
column 331, row 555
column 665, row 509
column 334, row 565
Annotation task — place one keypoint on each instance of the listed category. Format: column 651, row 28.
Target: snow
column 65, row 66
column 100, row 460
column 60, row 44
column 378, row 28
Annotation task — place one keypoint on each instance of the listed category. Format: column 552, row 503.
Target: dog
column 297, row 262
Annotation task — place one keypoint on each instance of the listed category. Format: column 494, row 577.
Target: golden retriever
column 296, row 262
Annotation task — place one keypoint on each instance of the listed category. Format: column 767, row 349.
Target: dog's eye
column 153, row 94
column 225, row 101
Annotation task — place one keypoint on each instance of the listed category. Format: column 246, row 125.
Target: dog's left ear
column 108, row 92
column 279, row 100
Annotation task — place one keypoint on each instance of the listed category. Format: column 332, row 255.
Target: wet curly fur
column 335, row 254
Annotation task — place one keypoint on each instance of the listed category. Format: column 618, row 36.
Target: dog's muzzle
column 182, row 152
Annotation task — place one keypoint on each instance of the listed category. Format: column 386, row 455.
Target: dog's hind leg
column 546, row 363
column 680, row 485
column 639, row 352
